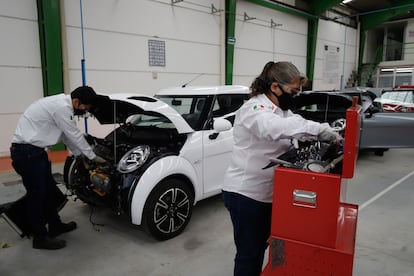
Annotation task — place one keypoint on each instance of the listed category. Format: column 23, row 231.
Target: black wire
column 94, row 224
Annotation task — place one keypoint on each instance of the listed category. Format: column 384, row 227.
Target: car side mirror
column 219, row 125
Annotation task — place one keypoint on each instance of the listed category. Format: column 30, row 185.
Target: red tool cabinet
column 313, row 231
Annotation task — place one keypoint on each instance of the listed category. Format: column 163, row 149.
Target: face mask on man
column 79, row 112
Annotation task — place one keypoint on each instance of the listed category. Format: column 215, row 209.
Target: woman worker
column 263, row 128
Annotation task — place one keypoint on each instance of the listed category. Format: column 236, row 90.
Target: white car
column 166, row 153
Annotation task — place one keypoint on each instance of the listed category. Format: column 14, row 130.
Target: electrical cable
column 94, row 224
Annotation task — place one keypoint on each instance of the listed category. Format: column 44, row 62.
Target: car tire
column 168, row 209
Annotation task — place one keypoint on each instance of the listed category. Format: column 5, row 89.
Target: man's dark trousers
column 33, row 165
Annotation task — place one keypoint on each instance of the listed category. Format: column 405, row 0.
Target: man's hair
column 85, row 94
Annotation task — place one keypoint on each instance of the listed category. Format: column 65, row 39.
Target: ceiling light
column 346, row 1
column 405, row 70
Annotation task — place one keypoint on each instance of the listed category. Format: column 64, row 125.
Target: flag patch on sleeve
column 258, row 107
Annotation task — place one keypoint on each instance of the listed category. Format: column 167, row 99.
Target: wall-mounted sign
column 331, row 64
column 156, row 52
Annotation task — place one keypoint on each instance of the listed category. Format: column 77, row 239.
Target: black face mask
column 285, row 101
column 79, row 112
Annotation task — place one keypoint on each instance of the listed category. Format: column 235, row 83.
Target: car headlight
column 134, row 159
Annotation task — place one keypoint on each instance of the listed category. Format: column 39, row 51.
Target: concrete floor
column 383, row 187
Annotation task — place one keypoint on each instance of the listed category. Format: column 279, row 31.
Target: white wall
column 336, row 36
column 116, row 48
column 116, row 44
column 257, row 43
column 20, row 68
column 116, row 35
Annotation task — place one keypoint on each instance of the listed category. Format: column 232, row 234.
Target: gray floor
column 382, row 187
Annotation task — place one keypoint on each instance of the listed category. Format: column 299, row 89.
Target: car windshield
column 397, row 101
column 189, row 107
column 150, row 121
column 400, row 96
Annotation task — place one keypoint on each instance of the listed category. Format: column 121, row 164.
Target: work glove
column 327, row 134
column 99, row 159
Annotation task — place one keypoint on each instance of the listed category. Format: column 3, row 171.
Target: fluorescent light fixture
column 398, row 70
column 405, row 70
column 346, row 1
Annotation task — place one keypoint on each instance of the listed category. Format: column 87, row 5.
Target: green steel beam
column 311, row 49
column 282, row 8
column 230, row 39
column 317, row 6
column 50, row 46
column 375, row 18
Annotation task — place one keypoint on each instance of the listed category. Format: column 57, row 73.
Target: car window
column 226, row 104
column 191, row 108
column 403, row 96
column 323, row 108
column 397, row 101
column 149, row 121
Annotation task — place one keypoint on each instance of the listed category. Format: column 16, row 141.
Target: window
column 192, row 108
column 225, row 104
column 388, row 77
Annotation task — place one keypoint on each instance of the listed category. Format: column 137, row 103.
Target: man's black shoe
column 48, row 243
column 61, row 228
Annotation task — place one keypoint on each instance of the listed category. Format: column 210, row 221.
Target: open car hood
column 116, row 108
column 322, row 98
column 334, row 99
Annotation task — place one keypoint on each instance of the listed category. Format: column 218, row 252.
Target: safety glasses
column 294, row 91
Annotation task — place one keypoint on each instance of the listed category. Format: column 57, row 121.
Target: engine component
column 101, row 182
column 312, row 156
column 339, row 125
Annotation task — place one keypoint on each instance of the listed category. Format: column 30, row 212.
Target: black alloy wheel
column 168, row 209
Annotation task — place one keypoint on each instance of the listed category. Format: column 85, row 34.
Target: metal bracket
column 214, row 9
column 176, row 1
column 247, row 18
column 273, row 24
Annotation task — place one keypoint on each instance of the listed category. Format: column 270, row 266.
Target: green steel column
column 48, row 12
column 362, row 42
column 230, row 38
column 311, row 49
column 362, row 38
column 50, row 46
